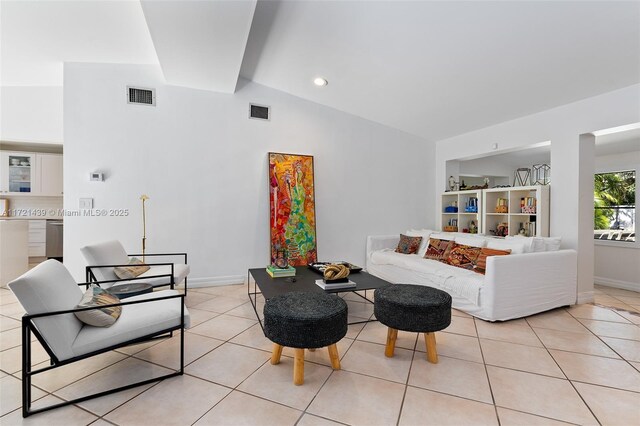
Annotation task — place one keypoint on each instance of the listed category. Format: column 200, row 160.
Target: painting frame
column 292, row 208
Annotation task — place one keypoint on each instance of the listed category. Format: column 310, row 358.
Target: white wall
column 204, row 165
column 616, row 264
column 572, row 162
column 31, row 114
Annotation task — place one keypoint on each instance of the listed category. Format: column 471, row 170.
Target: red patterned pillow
column 481, row 263
column 408, row 245
column 463, row 256
column 438, row 249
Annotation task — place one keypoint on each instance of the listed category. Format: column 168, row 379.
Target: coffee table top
column 305, row 280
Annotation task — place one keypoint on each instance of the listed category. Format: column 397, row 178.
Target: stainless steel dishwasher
column 55, row 231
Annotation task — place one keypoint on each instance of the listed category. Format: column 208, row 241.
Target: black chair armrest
column 89, row 273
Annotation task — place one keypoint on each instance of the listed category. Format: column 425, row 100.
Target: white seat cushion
column 107, row 253
column 135, row 321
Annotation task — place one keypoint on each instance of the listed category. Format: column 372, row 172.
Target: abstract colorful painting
column 292, row 207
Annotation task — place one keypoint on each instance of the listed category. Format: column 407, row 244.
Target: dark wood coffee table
column 261, row 283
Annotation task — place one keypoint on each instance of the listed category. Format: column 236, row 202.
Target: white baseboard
column 215, row 281
column 585, row 297
column 625, row 285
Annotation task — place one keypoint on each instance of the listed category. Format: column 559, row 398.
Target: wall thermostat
column 96, row 177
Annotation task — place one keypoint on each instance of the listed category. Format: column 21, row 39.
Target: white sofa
column 514, row 286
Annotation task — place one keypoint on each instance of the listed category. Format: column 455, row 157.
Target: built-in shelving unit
column 461, row 201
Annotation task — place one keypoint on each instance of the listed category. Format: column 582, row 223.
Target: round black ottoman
column 413, row 308
column 303, row 320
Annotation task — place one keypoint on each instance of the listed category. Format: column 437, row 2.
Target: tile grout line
column 486, row 372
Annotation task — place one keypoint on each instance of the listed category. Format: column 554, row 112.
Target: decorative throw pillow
column 481, row 263
column 438, row 249
column 132, row 271
column 408, row 245
column 102, row 317
column 463, row 256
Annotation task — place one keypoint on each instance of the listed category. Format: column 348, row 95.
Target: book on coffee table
column 335, row 286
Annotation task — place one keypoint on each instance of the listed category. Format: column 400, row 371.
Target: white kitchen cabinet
column 49, row 168
column 18, row 173
column 37, row 238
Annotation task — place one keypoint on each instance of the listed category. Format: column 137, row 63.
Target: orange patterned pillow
column 481, row 263
column 463, row 256
column 438, row 249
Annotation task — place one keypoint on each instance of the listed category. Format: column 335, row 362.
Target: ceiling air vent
column 259, row 112
column 138, row 95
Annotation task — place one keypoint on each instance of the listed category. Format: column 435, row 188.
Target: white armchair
column 49, row 295
column 103, row 257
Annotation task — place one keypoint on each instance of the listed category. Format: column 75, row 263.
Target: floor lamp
column 144, row 198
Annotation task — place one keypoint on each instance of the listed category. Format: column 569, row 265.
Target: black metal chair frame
column 29, row 327
column 91, row 278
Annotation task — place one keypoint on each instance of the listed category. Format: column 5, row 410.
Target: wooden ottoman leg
column 298, row 367
column 312, row 349
column 430, row 341
column 333, row 355
column 392, row 335
column 276, row 353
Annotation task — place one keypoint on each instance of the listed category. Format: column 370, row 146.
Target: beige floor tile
column 101, row 422
column 7, row 296
column 452, row 376
column 13, row 310
column 241, row 409
column 596, row 313
column 311, row 420
column 574, row 342
column 631, row 300
column 462, row 325
column 320, row 355
column 360, row 309
column 11, row 359
column 176, row 401
column 223, row 327
column 425, row 407
column 627, row 349
column 598, row 370
column 193, row 298
column 12, row 338
column 245, row 311
column 134, row 349
column 612, row 302
column 253, row 337
column 221, row 304
column 376, row 332
column 354, row 329
column 517, row 418
column 612, row 329
column 611, row 406
column 198, row 316
column 368, row 358
column 167, row 353
column 515, row 331
column 635, row 364
column 234, row 290
column 60, row 377
column 634, row 318
column 7, row 323
column 520, row 357
column 458, row 313
column 64, row 416
column 275, row 383
column 11, row 394
column 618, row 291
column 228, row 364
column 558, row 319
column 122, row 373
column 359, row 400
column 540, row 395
column 454, row 346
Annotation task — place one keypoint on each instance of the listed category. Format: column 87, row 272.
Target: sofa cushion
column 101, row 317
column 481, row 263
column 471, row 240
column 425, row 234
column 107, row 253
column 515, row 246
column 46, row 288
column 408, row 245
column 438, row 249
column 463, row 256
column 550, row 243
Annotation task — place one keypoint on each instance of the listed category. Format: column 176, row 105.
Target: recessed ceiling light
column 320, row 81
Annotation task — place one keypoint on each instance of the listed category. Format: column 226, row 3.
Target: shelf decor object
column 292, row 208
column 541, row 174
column 521, row 176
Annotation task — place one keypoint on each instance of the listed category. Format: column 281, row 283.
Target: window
column 614, row 199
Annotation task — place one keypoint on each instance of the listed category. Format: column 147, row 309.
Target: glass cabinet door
column 21, row 172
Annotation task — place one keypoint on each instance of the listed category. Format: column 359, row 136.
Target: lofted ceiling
column 432, row 69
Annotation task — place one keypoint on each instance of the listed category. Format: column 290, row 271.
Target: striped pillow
column 481, row 263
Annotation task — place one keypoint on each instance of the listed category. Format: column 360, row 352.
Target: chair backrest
column 46, row 288
column 107, row 253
